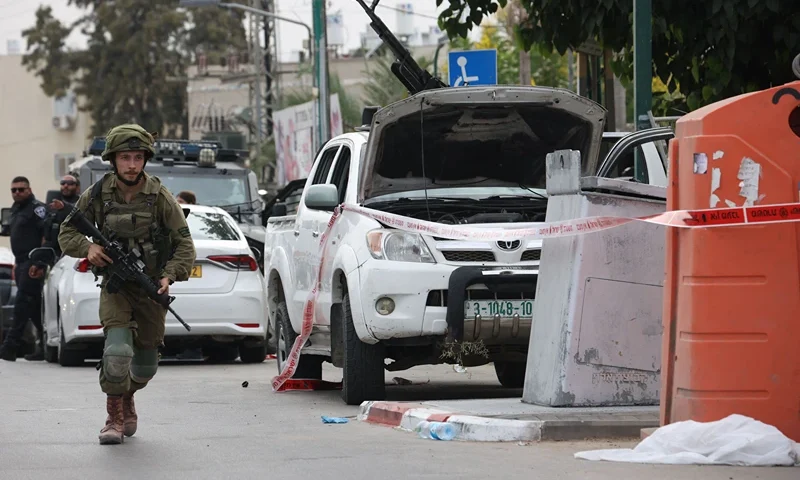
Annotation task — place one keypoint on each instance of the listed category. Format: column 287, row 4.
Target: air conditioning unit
column 63, row 123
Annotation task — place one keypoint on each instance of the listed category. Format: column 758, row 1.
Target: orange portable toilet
column 731, row 340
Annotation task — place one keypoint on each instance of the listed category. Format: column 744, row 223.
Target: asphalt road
column 196, row 421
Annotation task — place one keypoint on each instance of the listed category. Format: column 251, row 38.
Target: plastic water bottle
column 437, row 430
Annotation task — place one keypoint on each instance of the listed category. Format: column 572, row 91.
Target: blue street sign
column 472, row 67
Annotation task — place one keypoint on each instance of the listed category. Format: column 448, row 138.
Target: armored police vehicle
column 218, row 180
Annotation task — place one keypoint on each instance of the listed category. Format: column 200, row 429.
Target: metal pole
column 258, row 58
column 321, row 70
column 311, row 42
column 571, row 70
column 642, row 72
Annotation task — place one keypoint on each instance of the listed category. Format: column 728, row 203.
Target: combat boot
column 8, row 353
column 111, row 434
column 130, row 419
column 37, row 355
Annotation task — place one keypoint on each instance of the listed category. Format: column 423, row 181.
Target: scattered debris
column 460, row 368
column 326, row 419
column 245, row 384
column 271, row 356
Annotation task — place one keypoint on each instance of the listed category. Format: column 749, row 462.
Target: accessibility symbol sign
column 472, row 67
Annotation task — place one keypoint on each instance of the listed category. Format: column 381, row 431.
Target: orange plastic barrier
column 731, row 341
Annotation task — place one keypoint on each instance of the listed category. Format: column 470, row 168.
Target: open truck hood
column 477, row 136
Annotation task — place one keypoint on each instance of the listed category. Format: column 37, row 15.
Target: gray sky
column 17, row 15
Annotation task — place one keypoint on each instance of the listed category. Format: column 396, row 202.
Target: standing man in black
column 29, row 219
column 59, row 208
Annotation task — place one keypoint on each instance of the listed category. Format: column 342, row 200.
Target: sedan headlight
column 398, row 246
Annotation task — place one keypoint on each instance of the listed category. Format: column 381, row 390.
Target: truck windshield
column 215, row 190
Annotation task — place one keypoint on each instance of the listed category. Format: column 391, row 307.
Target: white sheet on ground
column 734, row 440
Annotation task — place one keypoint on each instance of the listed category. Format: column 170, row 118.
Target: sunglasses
column 18, row 189
column 68, row 182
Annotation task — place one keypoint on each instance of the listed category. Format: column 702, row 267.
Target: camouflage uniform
column 154, row 224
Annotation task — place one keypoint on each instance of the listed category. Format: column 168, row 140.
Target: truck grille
column 438, row 298
column 468, row 256
column 530, row 255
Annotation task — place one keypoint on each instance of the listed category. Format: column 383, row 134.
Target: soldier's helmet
column 128, row 137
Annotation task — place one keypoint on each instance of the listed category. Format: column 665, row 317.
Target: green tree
column 350, row 107
column 383, row 87
column 547, row 68
column 134, row 68
column 705, row 51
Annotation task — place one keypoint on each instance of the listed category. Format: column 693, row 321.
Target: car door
column 339, row 176
column 619, row 162
column 307, row 232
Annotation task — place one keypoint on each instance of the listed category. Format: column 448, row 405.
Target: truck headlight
column 398, row 246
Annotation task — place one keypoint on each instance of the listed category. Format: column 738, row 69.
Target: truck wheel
column 67, row 357
column 363, row 376
column 253, row 354
column 510, row 374
column 308, row 366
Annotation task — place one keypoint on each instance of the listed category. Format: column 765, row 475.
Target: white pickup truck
column 471, row 155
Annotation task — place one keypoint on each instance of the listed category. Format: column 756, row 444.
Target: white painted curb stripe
column 478, row 429
column 412, row 417
column 481, row 429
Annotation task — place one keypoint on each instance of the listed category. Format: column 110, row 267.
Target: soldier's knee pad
column 144, row 366
column 117, row 354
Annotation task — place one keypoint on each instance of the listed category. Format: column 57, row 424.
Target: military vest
column 134, row 225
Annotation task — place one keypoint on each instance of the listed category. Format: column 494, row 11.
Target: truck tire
column 510, row 374
column 308, row 366
column 363, row 376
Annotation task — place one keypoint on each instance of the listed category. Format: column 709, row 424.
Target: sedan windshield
column 211, row 226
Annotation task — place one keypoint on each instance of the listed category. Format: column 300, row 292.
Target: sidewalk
column 510, row 420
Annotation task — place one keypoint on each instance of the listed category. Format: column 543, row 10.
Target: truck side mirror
column 276, row 210
column 5, row 222
column 279, row 210
column 322, row 197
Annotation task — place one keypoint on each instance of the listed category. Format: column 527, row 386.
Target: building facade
column 39, row 135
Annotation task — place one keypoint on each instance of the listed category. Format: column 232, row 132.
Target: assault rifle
column 126, row 267
column 405, row 68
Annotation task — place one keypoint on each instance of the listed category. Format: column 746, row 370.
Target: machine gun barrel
column 405, row 68
column 124, row 265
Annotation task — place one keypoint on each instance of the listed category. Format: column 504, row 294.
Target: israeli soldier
column 143, row 215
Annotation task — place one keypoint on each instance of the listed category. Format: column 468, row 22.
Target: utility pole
column 270, row 62
column 257, row 58
column 321, row 71
column 642, row 72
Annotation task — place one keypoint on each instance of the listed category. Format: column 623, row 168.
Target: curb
column 406, row 416
column 471, row 428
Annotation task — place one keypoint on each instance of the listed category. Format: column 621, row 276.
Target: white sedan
column 224, row 301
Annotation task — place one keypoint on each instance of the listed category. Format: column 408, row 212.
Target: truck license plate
column 504, row 308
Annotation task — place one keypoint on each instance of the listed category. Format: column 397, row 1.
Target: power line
column 352, row 9
column 405, row 11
